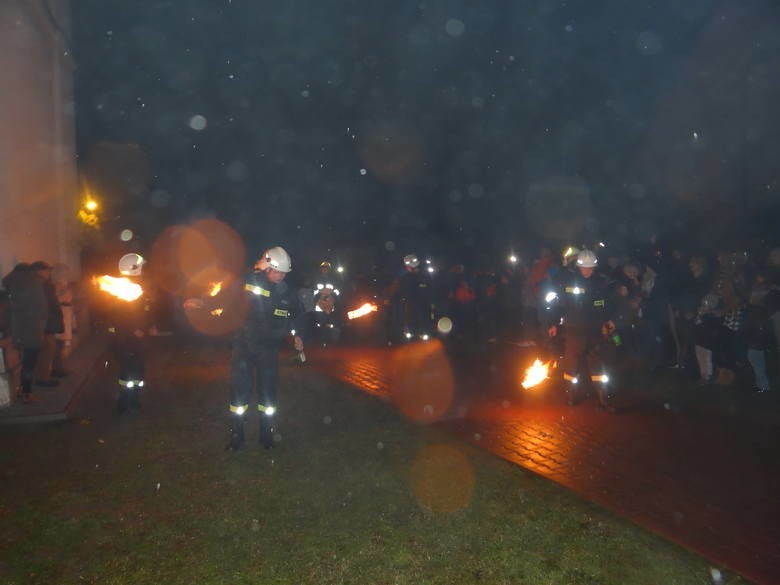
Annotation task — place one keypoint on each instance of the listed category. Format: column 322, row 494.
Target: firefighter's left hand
column 298, row 343
column 609, row 326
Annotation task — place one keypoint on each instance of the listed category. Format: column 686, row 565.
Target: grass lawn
column 352, row 493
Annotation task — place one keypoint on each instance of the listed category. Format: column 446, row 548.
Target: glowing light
column 340, row 269
column 90, row 205
column 444, row 325
column 362, row 311
column 536, row 374
column 550, row 297
column 216, row 312
column 513, row 259
column 216, row 287
column 126, row 235
column 121, row 288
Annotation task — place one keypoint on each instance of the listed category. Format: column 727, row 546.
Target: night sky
column 429, row 126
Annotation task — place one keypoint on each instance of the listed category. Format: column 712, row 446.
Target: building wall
column 38, row 179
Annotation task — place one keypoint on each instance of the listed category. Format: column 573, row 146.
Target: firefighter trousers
column 254, row 370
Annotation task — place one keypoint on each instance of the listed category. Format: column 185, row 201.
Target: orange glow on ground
column 441, row 479
column 422, row 381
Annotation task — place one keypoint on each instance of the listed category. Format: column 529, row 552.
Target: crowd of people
column 710, row 315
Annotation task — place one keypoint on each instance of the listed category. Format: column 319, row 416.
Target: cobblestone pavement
column 706, row 480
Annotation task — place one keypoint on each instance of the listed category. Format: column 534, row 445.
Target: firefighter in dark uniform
column 273, row 306
column 414, row 304
column 584, row 310
column 130, row 322
column 322, row 326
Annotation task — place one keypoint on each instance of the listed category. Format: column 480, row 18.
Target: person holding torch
column 584, row 309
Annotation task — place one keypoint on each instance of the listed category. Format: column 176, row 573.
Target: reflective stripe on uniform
column 239, row 410
column 257, row 290
column 600, row 378
column 267, row 410
column 281, row 313
column 598, row 303
column 570, row 378
column 131, row 383
column 575, row 290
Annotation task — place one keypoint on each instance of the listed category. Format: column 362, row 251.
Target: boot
column 266, row 432
column 571, row 394
column 134, row 399
column 236, row 436
column 605, row 399
column 122, row 401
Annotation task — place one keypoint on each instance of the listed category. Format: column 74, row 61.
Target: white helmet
column 130, row 264
column 587, row 259
column 411, row 260
column 276, row 258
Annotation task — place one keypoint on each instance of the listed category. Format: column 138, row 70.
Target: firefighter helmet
column 276, row 258
column 411, row 260
column 587, row 259
column 131, row 264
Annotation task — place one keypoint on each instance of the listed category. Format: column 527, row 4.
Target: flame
column 536, row 374
column 216, row 312
column 365, row 309
column 122, row 288
column 215, row 288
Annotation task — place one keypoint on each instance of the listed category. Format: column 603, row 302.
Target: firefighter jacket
column 272, row 313
column 416, row 288
column 126, row 317
column 582, row 304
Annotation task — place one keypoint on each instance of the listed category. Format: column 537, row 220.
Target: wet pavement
column 698, row 466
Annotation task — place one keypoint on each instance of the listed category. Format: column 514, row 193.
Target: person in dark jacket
column 28, row 310
column 55, row 323
column 758, row 333
column 273, row 308
column 585, row 308
column 323, row 325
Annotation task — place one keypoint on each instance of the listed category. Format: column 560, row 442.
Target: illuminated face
column 586, row 272
column 276, row 276
column 326, row 302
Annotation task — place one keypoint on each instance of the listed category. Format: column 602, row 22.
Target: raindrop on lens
column 198, row 122
column 444, row 325
column 454, row 27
